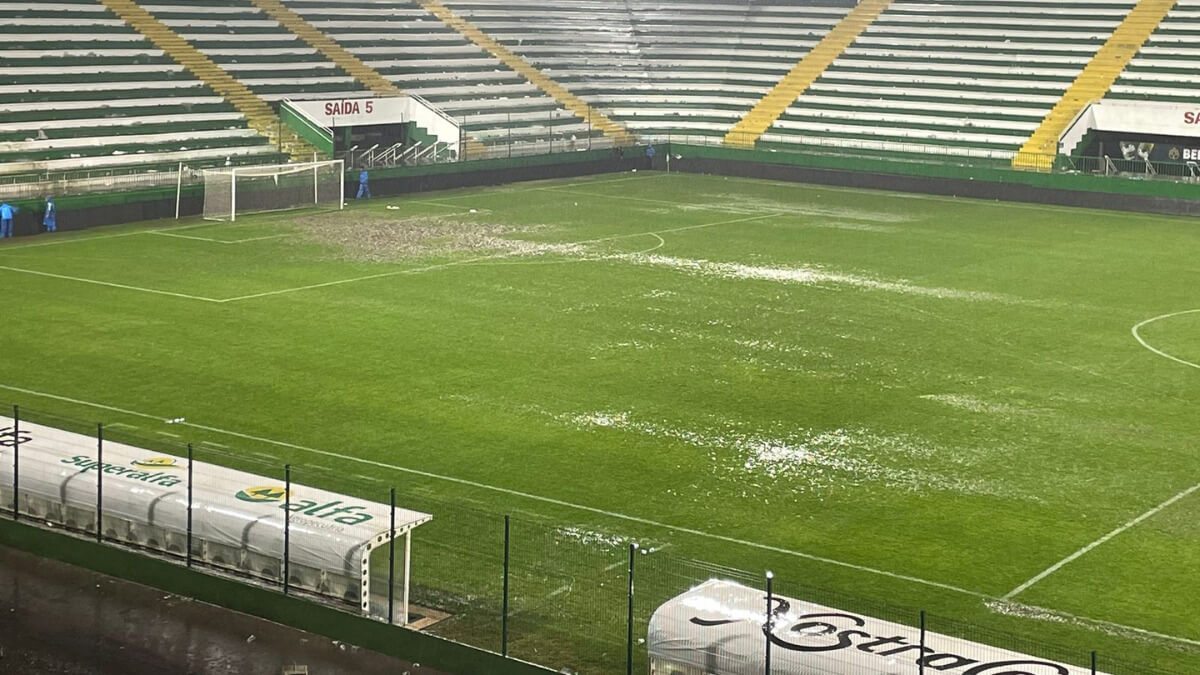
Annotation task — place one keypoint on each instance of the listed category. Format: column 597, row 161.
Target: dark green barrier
column 409, row 645
column 1067, row 189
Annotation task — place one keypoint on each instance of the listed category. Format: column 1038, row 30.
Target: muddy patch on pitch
column 380, row 238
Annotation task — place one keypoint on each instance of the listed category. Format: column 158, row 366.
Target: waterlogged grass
column 893, row 402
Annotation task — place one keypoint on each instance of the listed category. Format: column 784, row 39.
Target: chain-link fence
column 570, row 597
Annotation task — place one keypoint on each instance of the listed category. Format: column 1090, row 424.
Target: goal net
column 235, row 191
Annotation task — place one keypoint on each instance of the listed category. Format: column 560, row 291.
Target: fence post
column 16, row 462
column 1093, row 662
column 504, row 608
column 287, row 522
column 510, row 135
column 629, row 615
column 921, row 661
column 392, row 559
column 100, row 483
column 767, row 628
column 189, row 505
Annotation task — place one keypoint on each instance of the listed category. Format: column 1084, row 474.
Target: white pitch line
column 524, row 495
column 1086, row 549
column 163, row 233
column 109, row 284
column 1094, row 624
column 1137, row 336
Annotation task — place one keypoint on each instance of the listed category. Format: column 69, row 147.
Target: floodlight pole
column 100, row 483
column 287, row 520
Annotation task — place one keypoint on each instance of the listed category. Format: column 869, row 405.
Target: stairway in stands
column 259, row 115
column 806, row 71
column 580, row 108
column 1093, row 83
column 328, row 48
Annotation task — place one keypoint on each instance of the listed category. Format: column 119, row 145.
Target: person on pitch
column 364, row 190
column 50, row 219
column 6, row 217
column 650, row 152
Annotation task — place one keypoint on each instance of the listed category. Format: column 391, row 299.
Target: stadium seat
column 972, row 79
column 660, row 68
column 1165, row 68
column 79, row 89
column 422, row 55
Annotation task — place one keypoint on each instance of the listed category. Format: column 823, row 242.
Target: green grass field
column 911, row 401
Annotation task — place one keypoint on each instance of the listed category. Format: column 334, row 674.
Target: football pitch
column 984, row 410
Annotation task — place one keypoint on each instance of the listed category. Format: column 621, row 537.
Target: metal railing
column 572, row 596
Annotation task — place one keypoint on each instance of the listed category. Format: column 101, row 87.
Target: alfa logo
column 337, row 510
column 262, row 493
column 156, row 463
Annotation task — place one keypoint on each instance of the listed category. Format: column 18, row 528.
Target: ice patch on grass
column 972, row 404
column 740, row 203
column 1023, row 611
column 590, row 537
column 807, row 276
column 804, row 460
column 769, row 346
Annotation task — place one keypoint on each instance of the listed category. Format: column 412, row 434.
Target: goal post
column 230, row 192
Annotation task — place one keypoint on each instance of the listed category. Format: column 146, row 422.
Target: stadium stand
column 252, row 46
column 421, row 54
column 87, row 84
column 660, row 67
column 1040, row 150
column 1165, row 68
column 81, row 90
column 973, row 78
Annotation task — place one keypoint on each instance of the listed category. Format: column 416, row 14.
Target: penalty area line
column 524, row 495
column 1099, row 542
column 109, row 284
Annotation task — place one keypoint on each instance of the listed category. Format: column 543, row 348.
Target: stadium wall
column 409, row 645
column 1063, row 189
column 959, row 180
column 93, row 210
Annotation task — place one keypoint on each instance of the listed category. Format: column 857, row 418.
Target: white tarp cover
column 716, row 628
column 1159, row 118
column 232, row 508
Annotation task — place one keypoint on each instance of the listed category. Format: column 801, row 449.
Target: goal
column 239, row 190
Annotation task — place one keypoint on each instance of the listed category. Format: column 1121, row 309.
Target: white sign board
column 348, row 112
column 718, row 628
